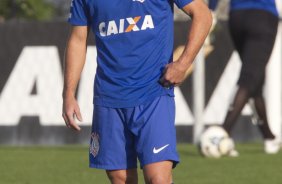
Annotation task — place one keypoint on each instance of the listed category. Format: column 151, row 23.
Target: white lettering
column 132, row 22
column 112, row 28
column 183, row 114
column 121, row 25
column 102, row 29
column 148, row 23
column 40, row 66
column 221, row 98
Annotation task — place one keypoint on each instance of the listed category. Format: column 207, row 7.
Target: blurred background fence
column 33, row 34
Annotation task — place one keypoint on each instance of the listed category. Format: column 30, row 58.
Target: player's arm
column 201, row 23
column 74, row 61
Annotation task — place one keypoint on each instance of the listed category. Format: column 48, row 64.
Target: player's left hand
column 174, row 74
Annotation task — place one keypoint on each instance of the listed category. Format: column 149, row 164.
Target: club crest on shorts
column 94, row 147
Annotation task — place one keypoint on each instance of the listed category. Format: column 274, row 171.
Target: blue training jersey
column 268, row 5
column 134, row 40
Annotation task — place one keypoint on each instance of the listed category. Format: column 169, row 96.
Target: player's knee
column 116, row 177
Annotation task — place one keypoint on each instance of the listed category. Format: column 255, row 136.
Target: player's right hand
column 71, row 112
column 173, row 74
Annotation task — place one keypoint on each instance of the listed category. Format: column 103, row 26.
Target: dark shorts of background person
column 253, row 33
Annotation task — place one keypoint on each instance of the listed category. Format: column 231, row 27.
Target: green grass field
column 69, row 165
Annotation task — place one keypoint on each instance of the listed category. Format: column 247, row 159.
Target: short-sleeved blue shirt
column 134, row 40
column 268, row 5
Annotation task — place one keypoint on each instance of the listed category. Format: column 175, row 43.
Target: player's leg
column 271, row 144
column 267, row 34
column 254, row 44
column 112, row 146
column 238, row 35
column 123, row 176
column 158, row 173
column 263, row 121
column 153, row 125
column 241, row 98
column 264, row 45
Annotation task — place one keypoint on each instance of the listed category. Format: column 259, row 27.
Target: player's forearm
column 74, row 61
column 201, row 24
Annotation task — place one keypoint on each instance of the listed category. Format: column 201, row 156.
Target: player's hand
column 71, row 112
column 173, row 75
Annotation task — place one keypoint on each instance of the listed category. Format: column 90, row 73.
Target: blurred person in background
column 253, row 26
column 134, row 107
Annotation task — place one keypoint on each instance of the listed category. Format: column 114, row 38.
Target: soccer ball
column 215, row 142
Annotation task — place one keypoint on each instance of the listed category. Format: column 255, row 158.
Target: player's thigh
column 158, row 173
column 123, row 176
column 112, row 144
column 156, row 137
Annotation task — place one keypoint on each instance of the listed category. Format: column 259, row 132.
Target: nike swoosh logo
column 141, row 1
column 155, row 151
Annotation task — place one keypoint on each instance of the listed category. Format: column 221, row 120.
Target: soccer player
column 253, row 27
column 133, row 89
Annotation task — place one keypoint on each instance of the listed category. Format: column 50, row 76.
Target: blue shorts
column 121, row 135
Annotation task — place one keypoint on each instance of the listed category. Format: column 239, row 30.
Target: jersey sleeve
column 213, row 4
column 181, row 3
column 79, row 15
